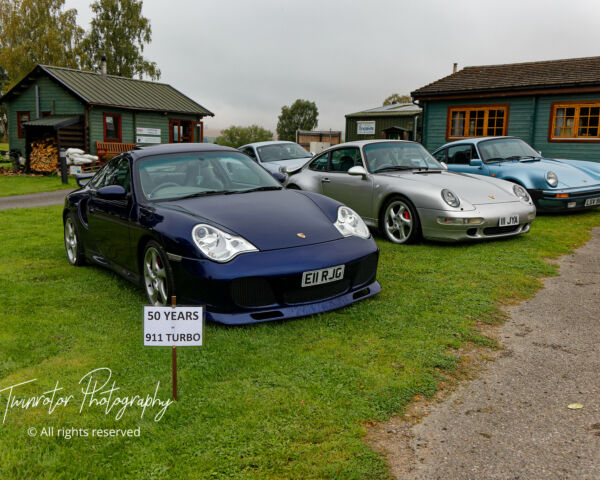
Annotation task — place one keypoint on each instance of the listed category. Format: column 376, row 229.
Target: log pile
column 44, row 155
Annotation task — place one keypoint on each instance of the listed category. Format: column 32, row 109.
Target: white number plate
column 590, row 202
column 325, row 275
column 508, row 221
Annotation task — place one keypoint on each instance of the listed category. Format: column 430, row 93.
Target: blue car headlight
column 349, row 223
column 552, row 178
column 218, row 245
column 520, row 192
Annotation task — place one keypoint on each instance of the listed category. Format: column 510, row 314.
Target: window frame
column 577, row 104
column 486, row 108
column 332, row 152
column 20, row 127
column 119, row 138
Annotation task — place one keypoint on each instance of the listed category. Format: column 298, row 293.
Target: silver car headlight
column 218, row 245
column 552, row 178
column 349, row 223
column 520, row 192
column 450, row 198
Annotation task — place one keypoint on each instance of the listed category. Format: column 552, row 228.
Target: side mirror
column 280, row 177
column 444, row 165
column 84, row 178
column 475, row 162
column 112, row 192
column 540, row 152
column 357, row 171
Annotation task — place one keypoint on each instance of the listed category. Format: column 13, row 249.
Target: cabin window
column 477, row 121
column 22, row 117
column 112, row 127
column 575, row 121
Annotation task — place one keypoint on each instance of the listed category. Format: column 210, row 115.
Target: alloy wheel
column 71, row 240
column 155, row 277
column 399, row 221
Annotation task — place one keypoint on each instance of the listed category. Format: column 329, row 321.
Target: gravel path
column 43, row 199
column 513, row 421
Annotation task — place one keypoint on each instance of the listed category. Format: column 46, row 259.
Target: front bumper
column 547, row 201
column 491, row 214
column 262, row 286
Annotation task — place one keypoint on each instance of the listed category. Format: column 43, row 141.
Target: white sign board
column 147, row 131
column 365, row 128
column 147, row 139
column 173, row 326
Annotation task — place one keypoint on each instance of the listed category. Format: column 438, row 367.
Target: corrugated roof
column 56, row 121
column 573, row 72
column 110, row 90
column 395, row 109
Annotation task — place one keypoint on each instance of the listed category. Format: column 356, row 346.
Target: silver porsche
column 398, row 187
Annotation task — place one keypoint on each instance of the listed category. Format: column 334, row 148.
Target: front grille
column 318, row 292
column 256, row 292
column 582, row 194
column 252, row 292
column 500, row 230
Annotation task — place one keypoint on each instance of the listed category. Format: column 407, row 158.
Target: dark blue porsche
column 209, row 225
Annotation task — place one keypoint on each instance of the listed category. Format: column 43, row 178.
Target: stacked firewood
column 44, row 155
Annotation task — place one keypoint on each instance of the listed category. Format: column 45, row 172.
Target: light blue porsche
column 554, row 185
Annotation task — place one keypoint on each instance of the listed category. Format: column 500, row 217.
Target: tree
column 397, row 98
column 237, row 136
column 302, row 115
column 119, row 31
column 36, row 31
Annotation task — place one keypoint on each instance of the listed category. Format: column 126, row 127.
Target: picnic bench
column 107, row 150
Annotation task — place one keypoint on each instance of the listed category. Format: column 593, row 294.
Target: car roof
column 475, row 140
column 361, row 143
column 269, row 142
column 164, row 148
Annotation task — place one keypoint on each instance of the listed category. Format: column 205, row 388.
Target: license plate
column 590, row 202
column 325, row 275
column 508, row 221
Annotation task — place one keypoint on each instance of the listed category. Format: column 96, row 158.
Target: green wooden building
column 552, row 105
column 399, row 121
column 84, row 109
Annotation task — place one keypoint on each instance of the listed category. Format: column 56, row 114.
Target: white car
column 277, row 156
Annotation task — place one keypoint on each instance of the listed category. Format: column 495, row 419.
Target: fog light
column 459, row 221
column 571, row 204
column 531, row 216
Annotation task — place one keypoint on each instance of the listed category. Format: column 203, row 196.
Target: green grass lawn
column 22, row 184
column 276, row 400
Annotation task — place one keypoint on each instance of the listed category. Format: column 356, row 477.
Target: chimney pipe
column 455, row 67
column 103, row 65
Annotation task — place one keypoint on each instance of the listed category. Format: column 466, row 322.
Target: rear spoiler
column 82, row 177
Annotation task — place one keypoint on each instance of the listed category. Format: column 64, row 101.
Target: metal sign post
column 173, row 327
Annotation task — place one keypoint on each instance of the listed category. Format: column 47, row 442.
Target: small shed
column 399, row 121
column 98, row 113
column 315, row 141
column 553, row 105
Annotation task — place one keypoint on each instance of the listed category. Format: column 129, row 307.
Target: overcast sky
column 245, row 59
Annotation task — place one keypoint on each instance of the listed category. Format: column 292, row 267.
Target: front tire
column 399, row 221
column 158, row 276
column 73, row 245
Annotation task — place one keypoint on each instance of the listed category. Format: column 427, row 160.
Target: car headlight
column 450, row 198
column 218, row 245
column 552, row 178
column 520, row 192
column 349, row 223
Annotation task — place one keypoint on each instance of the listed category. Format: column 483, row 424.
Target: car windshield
column 190, row 174
column 398, row 156
column 505, row 149
column 281, row 151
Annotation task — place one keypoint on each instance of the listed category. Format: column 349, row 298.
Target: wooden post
column 174, row 358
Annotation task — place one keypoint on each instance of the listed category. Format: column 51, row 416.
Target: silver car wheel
column 399, row 222
column 71, row 240
column 155, row 277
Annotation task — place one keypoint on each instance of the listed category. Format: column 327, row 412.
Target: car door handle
column 325, row 180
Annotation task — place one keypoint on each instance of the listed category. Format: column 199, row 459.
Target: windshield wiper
column 513, row 157
column 528, row 158
column 392, row 168
column 203, row 194
column 257, row 189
